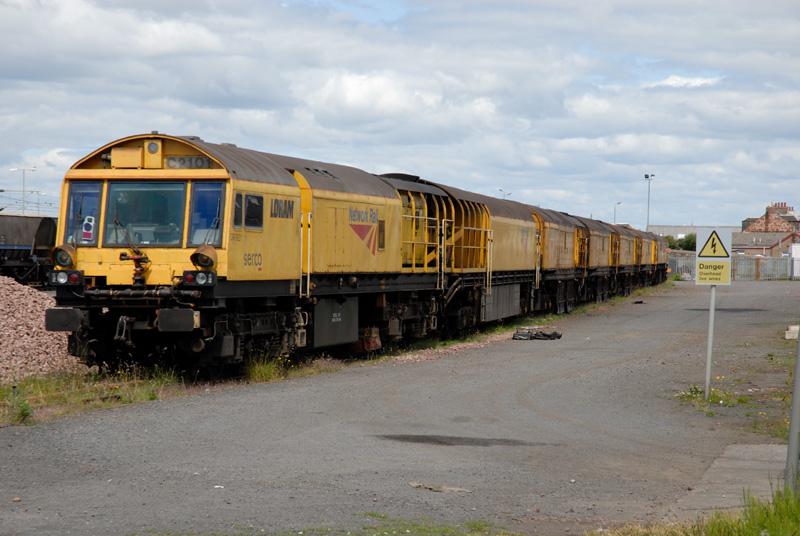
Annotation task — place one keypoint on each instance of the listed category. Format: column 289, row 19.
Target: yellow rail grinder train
column 173, row 246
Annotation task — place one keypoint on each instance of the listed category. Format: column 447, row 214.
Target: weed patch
column 44, row 397
column 717, row 398
column 264, row 370
column 778, row 517
column 19, row 410
column 773, row 427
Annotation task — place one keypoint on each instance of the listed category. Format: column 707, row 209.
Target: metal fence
column 682, row 265
column 744, row 267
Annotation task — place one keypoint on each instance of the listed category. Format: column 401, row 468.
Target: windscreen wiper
column 214, row 223
column 79, row 222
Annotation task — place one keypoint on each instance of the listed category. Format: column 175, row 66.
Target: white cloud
column 377, row 95
column 683, row 81
column 587, row 106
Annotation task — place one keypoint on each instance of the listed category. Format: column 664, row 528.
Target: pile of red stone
column 26, row 349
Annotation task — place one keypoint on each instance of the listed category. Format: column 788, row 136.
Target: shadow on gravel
column 459, row 441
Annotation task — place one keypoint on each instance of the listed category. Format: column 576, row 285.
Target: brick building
column 778, row 218
column 765, row 244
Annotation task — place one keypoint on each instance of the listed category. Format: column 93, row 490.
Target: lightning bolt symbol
column 714, row 245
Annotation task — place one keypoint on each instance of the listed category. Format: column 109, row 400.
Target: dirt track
column 536, row 435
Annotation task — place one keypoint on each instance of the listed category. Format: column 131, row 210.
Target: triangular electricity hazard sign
column 714, row 247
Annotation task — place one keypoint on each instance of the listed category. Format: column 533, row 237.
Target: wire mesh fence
column 744, row 267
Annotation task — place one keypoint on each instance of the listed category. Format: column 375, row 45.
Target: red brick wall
column 771, row 222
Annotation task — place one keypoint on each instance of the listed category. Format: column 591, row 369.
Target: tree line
column 687, row 243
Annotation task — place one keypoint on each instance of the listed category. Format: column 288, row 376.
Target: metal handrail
column 308, row 258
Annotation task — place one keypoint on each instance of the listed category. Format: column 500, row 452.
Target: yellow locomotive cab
column 152, row 194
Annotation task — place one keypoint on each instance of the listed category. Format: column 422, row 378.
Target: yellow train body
column 514, row 245
column 238, row 251
column 354, row 233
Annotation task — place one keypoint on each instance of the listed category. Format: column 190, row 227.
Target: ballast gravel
column 26, row 349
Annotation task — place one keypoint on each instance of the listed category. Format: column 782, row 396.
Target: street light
column 615, row 210
column 504, row 193
column 23, row 170
column 649, row 178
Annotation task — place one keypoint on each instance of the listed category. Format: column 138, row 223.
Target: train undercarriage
column 362, row 313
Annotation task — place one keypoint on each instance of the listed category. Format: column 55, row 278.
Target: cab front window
column 145, row 213
column 83, row 210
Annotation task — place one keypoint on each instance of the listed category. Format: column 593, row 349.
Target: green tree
column 672, row 243
column 688, row 242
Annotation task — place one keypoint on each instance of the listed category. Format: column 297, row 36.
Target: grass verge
column 272, row 370
column 41, row 398
column 378, row 525
column 779, row 517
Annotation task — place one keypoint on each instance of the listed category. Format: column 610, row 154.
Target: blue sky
column 566, row 104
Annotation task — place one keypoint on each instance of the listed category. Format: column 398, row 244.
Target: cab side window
column 237, row 210
column 253, row 211
column 83, row 209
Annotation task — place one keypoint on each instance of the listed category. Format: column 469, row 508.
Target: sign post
column 790, row 477
column 712, row 267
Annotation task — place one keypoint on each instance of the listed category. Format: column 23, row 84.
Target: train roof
column 627, row 230
column 241, row 163
column 411, row 183
column 497, row 207
column 275, row 168
column 597, row 225
column 555, row 216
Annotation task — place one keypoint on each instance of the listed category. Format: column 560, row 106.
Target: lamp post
column 649, row 178
column 615, row 210
column 504, row 193
column 23, row 170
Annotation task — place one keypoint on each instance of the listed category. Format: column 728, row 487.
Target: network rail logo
column 364, row 223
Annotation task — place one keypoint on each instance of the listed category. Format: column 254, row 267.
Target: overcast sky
column 565, row 104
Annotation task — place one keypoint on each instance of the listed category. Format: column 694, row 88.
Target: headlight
column 64, row 256
column 62, row 278
column 201, row 278
column 204, row 257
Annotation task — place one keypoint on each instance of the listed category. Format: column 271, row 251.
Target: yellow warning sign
column 714, row 248
column 713, row 272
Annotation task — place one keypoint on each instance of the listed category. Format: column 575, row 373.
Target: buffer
column 714, row 248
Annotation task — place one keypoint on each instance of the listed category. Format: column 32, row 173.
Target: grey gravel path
column 573, row 433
